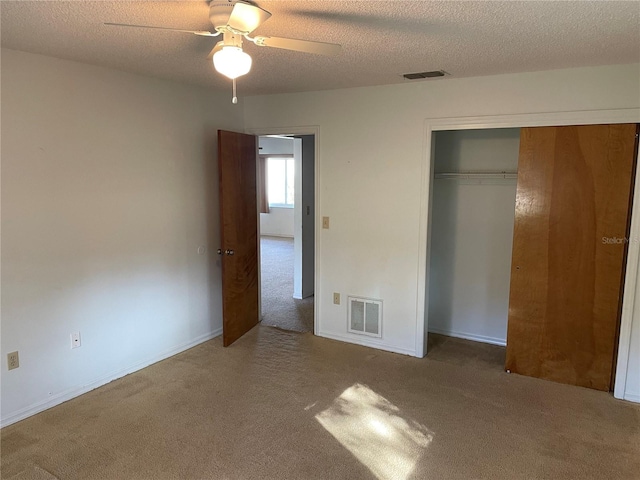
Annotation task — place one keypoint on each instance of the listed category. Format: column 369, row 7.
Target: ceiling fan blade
column 202, row 33
column 320, row 48
column 246, row 18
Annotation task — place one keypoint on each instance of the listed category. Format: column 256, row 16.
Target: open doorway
column 287, row 231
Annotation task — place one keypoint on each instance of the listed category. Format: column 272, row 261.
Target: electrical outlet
column 336, row 299
column 13, row 361
column 325, row 222
column 75, row 340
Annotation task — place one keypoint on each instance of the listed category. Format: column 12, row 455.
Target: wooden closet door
column 569, row 250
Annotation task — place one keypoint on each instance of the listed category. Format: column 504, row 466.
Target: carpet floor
column 285, row 405
column 279, row 308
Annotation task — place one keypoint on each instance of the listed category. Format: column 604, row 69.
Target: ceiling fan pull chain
column 234, row 99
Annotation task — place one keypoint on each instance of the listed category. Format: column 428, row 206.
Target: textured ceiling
column 381, row 39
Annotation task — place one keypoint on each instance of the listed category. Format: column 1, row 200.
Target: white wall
column 279, row 221
column 109, row 186
column 472, row 235
column 297, row 219
column 371, row 146
column 303, row 224
column 308, row 214
column 275, row 145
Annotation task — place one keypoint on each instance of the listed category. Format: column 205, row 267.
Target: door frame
column 630, row 306
column 305, row 130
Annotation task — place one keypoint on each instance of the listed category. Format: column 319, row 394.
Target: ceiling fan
column 235, row 20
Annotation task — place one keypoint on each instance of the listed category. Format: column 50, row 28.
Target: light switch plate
column 325, row 222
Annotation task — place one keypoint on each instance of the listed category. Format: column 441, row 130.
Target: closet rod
column 477, row 175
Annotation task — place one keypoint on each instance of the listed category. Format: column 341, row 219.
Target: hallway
column 279, row 308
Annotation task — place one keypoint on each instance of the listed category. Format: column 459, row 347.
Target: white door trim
column 315, row 131
column 587, row 117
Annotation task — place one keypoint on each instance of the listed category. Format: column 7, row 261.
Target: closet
column 534, row 259
column 474, row 192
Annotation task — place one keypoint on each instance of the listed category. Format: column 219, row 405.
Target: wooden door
column 237, row 166
column 569, row 251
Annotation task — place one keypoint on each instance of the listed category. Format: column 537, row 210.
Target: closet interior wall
column 472, row 222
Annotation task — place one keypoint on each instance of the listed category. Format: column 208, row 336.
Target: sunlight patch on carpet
column 375, row 432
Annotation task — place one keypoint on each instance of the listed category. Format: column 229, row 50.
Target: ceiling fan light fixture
column 231, row 61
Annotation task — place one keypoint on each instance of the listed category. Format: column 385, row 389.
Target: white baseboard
column 632, row 397
column 98, row 382
column 279, row 235
column 365, row 342
column 469, row 336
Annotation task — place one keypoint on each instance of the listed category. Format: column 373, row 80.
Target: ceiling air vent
column 433, row 74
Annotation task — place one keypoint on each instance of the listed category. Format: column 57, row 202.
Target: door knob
column 219, row 251
column 229, row 252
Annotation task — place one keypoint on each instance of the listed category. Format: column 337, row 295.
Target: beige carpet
column 279, row 308
column 284, row 405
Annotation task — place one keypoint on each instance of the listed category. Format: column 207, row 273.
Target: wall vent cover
column 365, row 316
column 432, row 74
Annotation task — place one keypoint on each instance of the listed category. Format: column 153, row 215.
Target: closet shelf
column 476, row 175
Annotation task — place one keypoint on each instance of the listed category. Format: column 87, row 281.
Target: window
column 280, row 181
